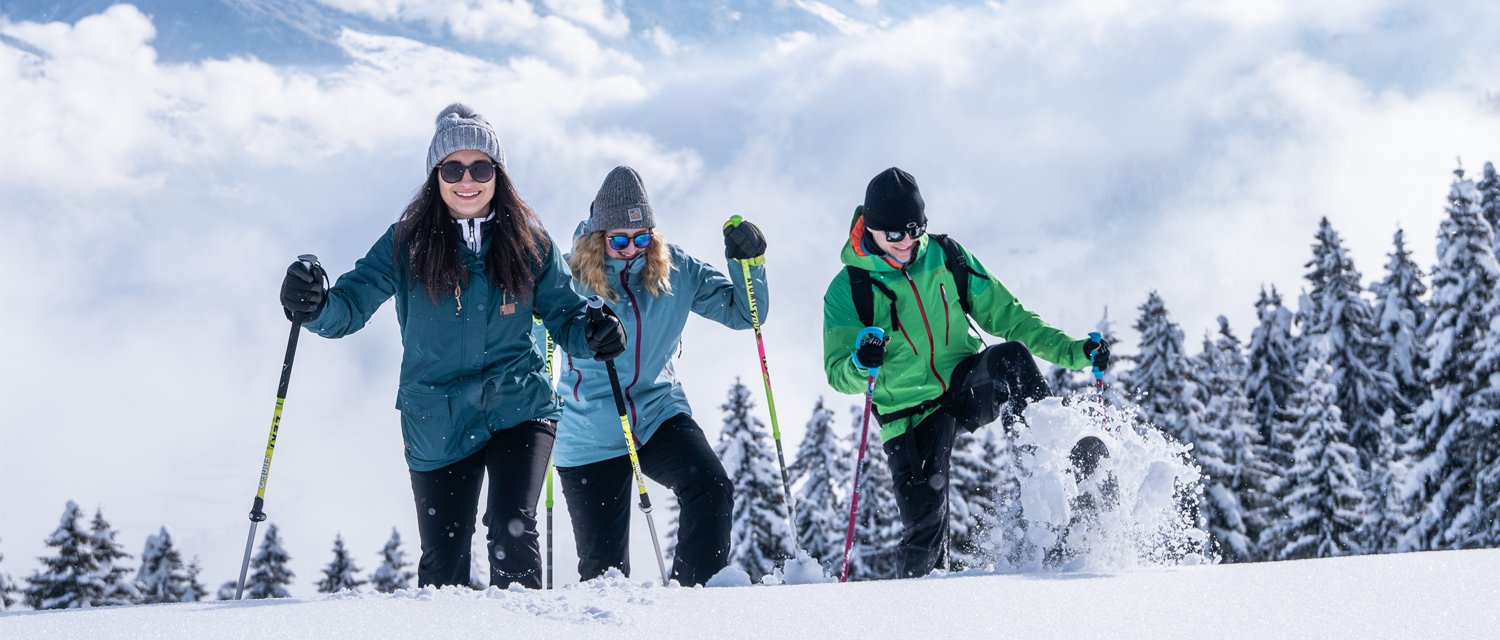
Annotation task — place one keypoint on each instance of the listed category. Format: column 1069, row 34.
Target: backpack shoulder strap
column 862, row 290
column 958, row 264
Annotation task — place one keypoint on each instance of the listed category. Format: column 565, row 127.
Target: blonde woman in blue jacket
column 653, row 287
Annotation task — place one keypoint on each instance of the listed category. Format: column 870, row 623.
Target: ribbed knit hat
column 622, row 203
column 459, row 128
column 893, row 203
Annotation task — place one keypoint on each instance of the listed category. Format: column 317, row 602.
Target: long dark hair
column 426, row 240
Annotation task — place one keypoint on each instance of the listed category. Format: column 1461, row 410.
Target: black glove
column 605, row 334
column 1100, row 350
column 871, row 352
column 743, row 241
column 304, row 291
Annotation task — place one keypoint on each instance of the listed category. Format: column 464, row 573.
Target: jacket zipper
column 947, row 321
column 932, row 348
column 635, row 375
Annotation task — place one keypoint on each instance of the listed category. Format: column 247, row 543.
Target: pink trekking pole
column 864, row 438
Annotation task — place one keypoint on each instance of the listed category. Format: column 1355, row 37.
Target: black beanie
column 893, row 203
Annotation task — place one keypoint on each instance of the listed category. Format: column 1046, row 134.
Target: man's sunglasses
column 897, row 236
column 453, row 171
column 618, row 242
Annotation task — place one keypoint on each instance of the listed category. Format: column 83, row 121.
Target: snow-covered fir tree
column 1162, row 381
column 392, row 574
column 66, row 580
column 226, row 591
column 1400, row 314
column 1456, row 428
column 1323, row 502
column 1227, row 446
column 1489, row 200
column 1487, row 411
column 973, row 507
column 1356, row 356
column 269, row 573
column 10, row 594
column 112, row 576
column 821, row 476
column 1385, row 515
column 758, row 537
column 163, row 576
column 341, row 572
column 876, row 554
column 1271, row 376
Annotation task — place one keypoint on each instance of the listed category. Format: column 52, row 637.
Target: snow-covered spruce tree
column 1162, row 381
column 1385, row 514
column 195, row 586
column 392, row 574
column 1271, row 377
column 758, row 536
column 1489, row 200
column 877, row 529
column 163, row 576
column 1226, row 445
column 821, row 477
column 1400, row 314
column 1355, row 355
column 1456, row 428
column 269, row 573
column 342, row 572
column 112, row 576
column 1487, row 411
column 10, row 594
column 226, row 591
column 66, row 580
column 973, row 510
column 1323, row 499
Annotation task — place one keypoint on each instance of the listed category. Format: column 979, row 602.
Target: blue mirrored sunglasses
column 620, row 241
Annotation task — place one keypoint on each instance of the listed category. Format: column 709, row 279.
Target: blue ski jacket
column 590, row 428
column 469, row 366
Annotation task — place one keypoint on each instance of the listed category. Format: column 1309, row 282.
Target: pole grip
column 1099, row 338
column 859, row 339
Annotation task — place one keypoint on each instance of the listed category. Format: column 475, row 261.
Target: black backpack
column 862, row 287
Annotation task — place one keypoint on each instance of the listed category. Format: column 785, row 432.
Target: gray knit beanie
column 459, row 128
column 622, row 203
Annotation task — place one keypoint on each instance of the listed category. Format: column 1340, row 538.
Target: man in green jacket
column 933, row 377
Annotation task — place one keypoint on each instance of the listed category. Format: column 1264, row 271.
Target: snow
column 1437, row 595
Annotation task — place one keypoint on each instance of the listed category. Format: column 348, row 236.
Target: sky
column 1438, row 595
column 154, row 186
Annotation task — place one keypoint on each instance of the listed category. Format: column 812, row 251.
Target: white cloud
column 599, row 15
column 834, row 17
column 663, row 41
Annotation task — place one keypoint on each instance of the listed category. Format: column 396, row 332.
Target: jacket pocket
column 427, row 426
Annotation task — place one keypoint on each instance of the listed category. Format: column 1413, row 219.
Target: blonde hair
column 587, row 263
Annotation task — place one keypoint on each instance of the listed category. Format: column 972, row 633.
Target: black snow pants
column 601, row 495
column 920, row 459
column 447, row 500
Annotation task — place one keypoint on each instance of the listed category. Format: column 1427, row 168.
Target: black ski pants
column 600, row 496
column 920, row 462
column 447, row 500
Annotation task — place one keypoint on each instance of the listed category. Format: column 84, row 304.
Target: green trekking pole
column 553, row 380
column 257, row 507
column 765, row 376
column 596, row 311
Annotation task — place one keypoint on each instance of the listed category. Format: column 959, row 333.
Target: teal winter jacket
column 469, row 366
column 590, row 428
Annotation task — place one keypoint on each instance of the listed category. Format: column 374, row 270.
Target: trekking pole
column 552, row 380
column 864, row 437
column 596, row 311
column 765, row 376
column 257, row 512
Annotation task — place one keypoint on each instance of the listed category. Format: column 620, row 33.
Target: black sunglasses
column 915, row 231
column 618, row 242
column 453, row 171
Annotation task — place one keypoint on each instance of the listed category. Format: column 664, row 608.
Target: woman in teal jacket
column 469, row 264
column 653, row 287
